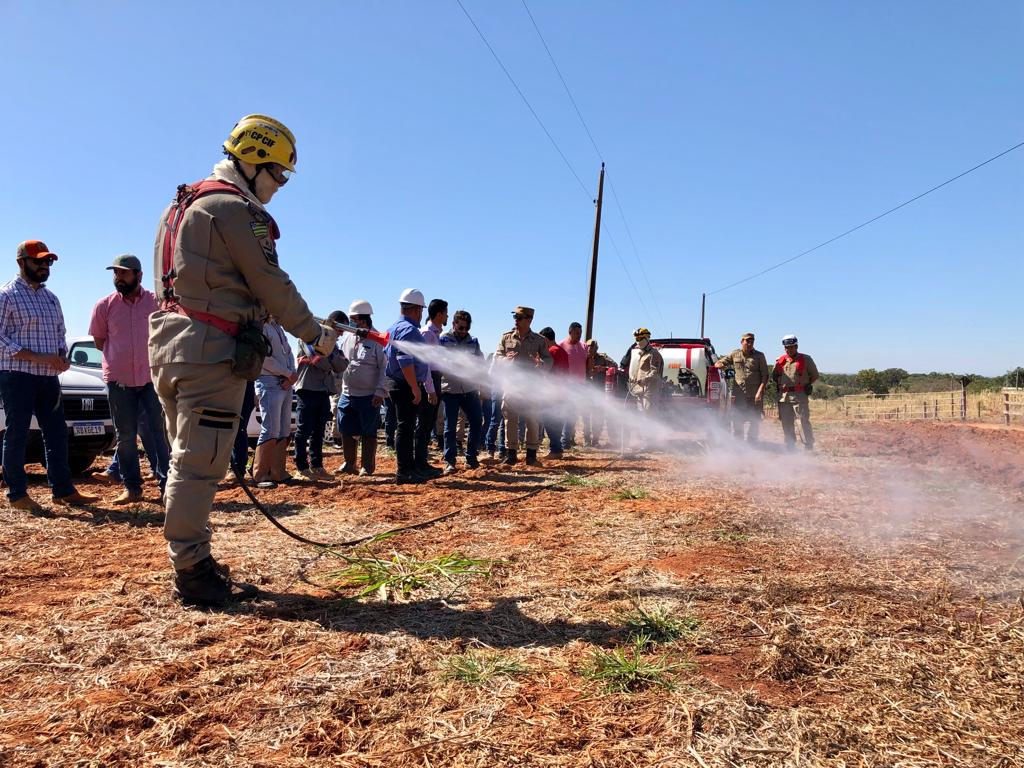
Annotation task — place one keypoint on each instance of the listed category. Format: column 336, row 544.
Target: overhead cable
column 553, row 142
column 526, row 101
column 866, row 223
column 600, row 156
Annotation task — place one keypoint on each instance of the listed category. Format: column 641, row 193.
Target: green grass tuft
column 580, row 481
column 658, row 624
column 475, row 668
column 627, row 670
column 396, row 575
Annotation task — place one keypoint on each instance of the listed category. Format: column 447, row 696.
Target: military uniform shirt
column 528, row 348
column 751, row 371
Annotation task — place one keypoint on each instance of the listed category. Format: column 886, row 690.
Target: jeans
column 314, row 409
column 146, row 436
column 129, row 406
column 554, row 430
column 275, row 409
column 357, row 416
column 486, row 408
column 569, row 429
column 240, row 451
column 496, row 426
column 390, row 422
column 426, row 422
column 25, row 394
column 470, row 403
column 405, row 424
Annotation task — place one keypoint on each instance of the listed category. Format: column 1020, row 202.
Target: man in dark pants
column 33, row 352
column 427, row 420
column 120, row 329
column 410, row 383
column 240, row 451
column 460, row 395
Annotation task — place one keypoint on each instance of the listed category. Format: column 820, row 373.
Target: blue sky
column 736, row 135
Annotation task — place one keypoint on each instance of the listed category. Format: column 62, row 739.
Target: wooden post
column 589, row 332
column 1006, row 407
column 979, row 409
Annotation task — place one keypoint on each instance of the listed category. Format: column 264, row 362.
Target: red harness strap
column 188, row 194
column 798, row 362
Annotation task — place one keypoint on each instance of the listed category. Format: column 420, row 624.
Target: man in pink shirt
column 577, row 354
column 120, row 328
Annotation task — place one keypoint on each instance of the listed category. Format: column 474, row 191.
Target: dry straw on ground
column 831, row 627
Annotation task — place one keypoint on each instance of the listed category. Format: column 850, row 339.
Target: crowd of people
column 186, row 365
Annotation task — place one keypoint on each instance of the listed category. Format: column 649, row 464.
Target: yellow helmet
column 641, row 332
column 260, row 139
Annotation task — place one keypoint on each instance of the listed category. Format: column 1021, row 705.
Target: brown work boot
column 305, row 475
column 511, row 459
column 531, row 457
column 26, row 504
column 129, row 496
column 261, row 464
column 76, row 499
column 209, row 583
column 369, row 457
column 321, row 474
column 348, row 450
column 279, row 466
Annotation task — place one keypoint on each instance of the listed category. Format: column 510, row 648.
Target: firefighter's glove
column 362, row 333
column 325, row 342
column 809, row 389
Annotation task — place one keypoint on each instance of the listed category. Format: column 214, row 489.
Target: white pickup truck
column 86, row 410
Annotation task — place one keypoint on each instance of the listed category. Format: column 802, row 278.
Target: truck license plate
column 88, row 428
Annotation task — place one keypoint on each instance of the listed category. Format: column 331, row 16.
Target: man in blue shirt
column 410, row 384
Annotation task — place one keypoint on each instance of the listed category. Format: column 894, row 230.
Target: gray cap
column 126, row 261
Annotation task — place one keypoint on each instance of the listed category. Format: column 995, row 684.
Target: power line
column 636, row 252
column 553, row 142
column 869, row 221
column 615, row 247
column 526, row 101
column 600, row 156
column 564, row 84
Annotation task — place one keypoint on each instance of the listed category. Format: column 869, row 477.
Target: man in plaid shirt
column 33, row 352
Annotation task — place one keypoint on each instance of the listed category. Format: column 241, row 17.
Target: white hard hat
column 412, row 296
column 360, row 307
column 789, row 340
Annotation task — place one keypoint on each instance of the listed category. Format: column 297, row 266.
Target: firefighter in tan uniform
column 216, row 255
column 751, row 373
column 646, row 369
column 794, row 373
column 522, row 347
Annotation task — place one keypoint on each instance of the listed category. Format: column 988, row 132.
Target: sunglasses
column 279, row 173
column 47, row 260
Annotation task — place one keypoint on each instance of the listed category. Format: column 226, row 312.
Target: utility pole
column 589, row 334
column 703, row 297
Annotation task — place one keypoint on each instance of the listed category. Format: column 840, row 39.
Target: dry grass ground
column 862, row 608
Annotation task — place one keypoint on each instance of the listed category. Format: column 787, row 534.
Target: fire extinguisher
column 610, row 375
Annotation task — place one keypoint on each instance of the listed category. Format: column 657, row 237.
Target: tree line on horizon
column 872, row 381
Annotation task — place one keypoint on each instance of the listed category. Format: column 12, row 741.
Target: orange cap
column 35, row 249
